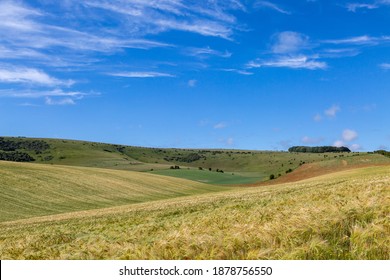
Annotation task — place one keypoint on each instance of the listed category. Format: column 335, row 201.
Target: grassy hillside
column 344, row 215
column 29, row 190
column 247, row 166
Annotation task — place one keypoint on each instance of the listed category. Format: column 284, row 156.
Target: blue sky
column 200, row 74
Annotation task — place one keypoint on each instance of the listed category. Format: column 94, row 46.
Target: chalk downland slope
column 202, row 165
column 343, row 215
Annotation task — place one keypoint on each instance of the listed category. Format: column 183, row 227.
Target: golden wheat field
column 343, row 215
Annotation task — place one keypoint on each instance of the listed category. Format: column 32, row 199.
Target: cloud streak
column 294, row 62
column 30, row 76
column 272, row 6
column 200, row 17
column 141, row 74
column 207, row 52
column 354, row 7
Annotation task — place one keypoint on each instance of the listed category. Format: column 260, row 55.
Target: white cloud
column 220, row 125
column 192, row 83
column 289, row 42
column 30, row 76
column 270, row 5
column 385, row 66
column 338, row 143
column 141, row 74
column 352, row 7
column 61, row 101
column 349, row 135
column 332, row 111
column 294, row 62
column 230, row 141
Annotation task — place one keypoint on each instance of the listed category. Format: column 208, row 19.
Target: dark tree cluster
column 34, row 145
column 16, row 156
column 174, row 167
column 185, row 158
column 319, row 149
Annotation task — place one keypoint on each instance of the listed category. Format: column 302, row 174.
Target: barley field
column 29, row 190
column 342, row 215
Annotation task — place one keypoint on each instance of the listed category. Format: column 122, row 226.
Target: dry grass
column 339, row 216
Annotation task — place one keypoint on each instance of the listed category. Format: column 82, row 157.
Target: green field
column 340, row 216
column 210, row 177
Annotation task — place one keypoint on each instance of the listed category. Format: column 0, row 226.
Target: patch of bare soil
column 311, row 170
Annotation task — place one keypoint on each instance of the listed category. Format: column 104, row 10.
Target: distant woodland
column 15, row 150
column 319, row 149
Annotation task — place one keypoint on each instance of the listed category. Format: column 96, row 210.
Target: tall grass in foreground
column 338, row 216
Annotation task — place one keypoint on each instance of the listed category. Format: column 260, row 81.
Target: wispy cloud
column 238, row 71
column 206, row 52
column 358, row 40
column 30, row 76
column 27, row 93
column 198, row 17
column 270, row 5
column 385, row 66
column 354, row 7
column 220, row 125
column 141, row 74
column 61, row 101
column 332, row 111
column 51, row 97
column 294, row 62
column 290, row 50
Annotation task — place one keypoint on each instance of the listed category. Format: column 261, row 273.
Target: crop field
column 342, row 215
column 29, row 190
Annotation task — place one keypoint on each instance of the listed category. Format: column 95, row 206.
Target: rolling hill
column 234, row 166
column 343, row 215
column 29, row 190
column 85, row 200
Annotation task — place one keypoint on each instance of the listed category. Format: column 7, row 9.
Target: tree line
column 319, row 149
